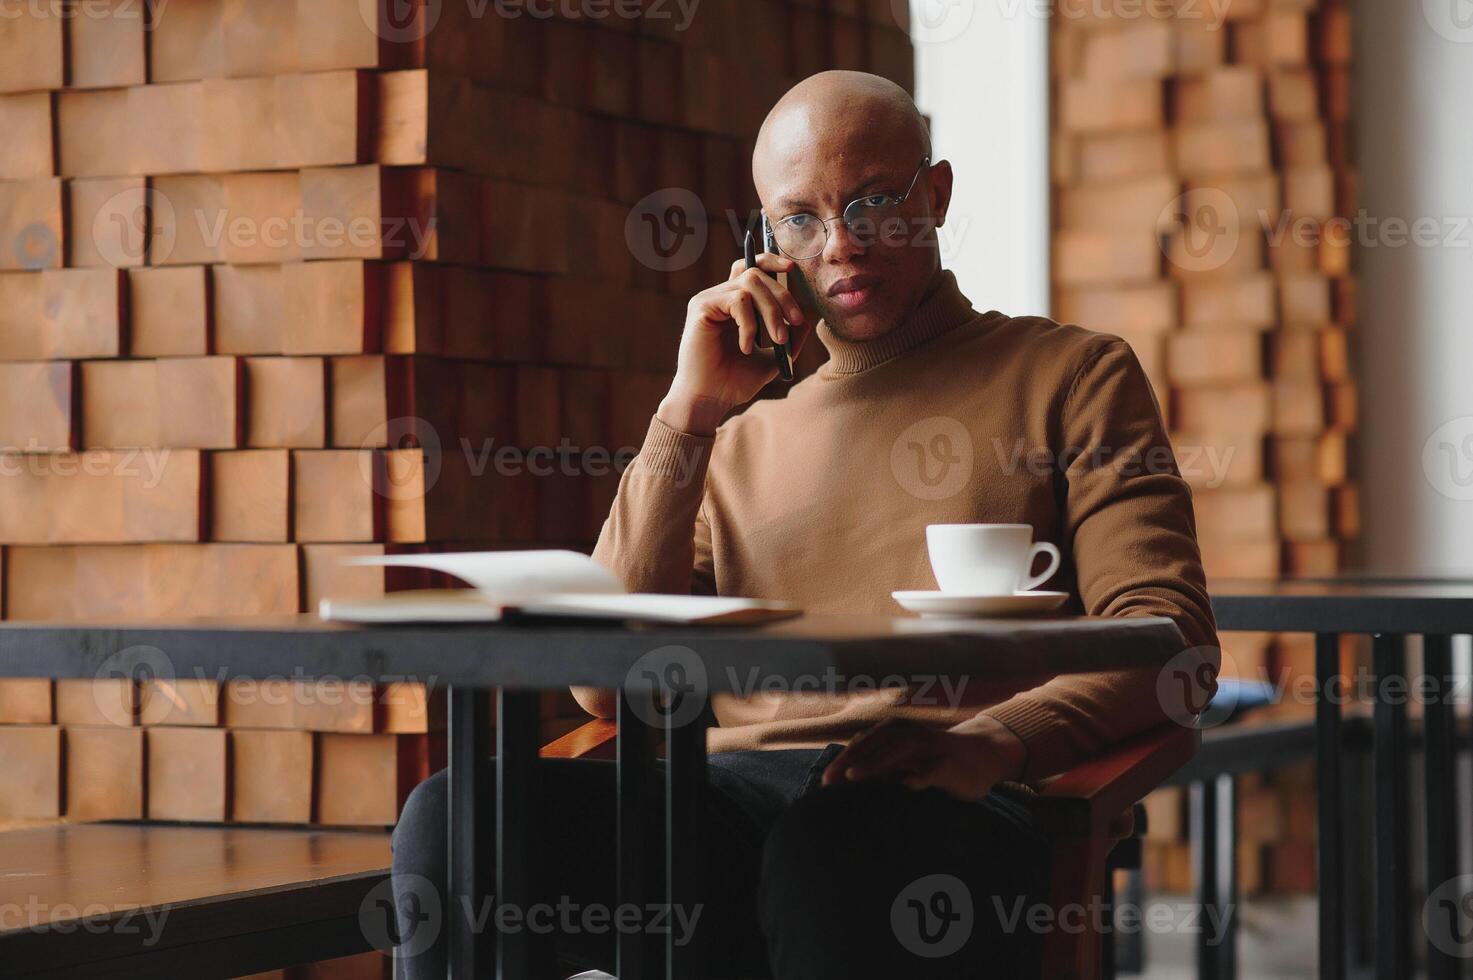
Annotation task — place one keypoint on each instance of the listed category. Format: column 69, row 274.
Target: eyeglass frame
column 825, row 222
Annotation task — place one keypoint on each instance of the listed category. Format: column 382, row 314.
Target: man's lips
column 854, row 292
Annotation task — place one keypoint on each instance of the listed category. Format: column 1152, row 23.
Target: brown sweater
column 823, row 498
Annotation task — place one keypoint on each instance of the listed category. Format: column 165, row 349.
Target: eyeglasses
column 805, row 236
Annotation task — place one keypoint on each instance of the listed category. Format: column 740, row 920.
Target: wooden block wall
column 1202, row 190
column 276, row 288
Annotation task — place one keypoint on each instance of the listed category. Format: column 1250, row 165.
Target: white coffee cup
column 988, row 559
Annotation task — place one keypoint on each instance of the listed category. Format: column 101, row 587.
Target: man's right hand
column 720, row 367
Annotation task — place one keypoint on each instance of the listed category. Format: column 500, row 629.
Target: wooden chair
column 1086, row 810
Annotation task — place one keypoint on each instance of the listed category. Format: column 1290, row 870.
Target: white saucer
column 952, row 604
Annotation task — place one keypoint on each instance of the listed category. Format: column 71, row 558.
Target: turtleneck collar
column 943, row 309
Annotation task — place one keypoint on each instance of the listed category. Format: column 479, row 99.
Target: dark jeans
column 802, row 882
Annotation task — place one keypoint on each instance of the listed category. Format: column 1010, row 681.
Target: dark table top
column 1356, row 604
column 847, row 651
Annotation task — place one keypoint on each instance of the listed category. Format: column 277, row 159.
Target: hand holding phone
column 725, row 325
column 764, row 337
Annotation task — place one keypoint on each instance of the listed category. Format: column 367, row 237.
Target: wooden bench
column 132, row 900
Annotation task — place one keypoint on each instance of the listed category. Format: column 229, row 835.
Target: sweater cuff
column 1044, row 736
column 678, row 456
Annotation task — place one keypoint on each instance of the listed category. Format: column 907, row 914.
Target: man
column 827, row 807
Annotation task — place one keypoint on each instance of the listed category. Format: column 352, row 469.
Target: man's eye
column 878, row 201
column 800, row 221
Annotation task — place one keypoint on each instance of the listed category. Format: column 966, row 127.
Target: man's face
column 867, row 278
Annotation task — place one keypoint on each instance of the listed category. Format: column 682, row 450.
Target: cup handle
column 1042, row 548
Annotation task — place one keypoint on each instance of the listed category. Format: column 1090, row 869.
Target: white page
column 513, row 577
column 650, row 607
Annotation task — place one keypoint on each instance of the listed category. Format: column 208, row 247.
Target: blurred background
column 284, row 281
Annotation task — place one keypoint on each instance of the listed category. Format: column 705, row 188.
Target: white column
column 1414, row 71
column 982, row 77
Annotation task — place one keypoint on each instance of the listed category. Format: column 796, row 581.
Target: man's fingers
column 742, row 311
column 767, row 262
column 756, row 285
column 880, row 752
column 791, row 311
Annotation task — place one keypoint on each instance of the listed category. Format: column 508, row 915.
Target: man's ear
column 940, row 181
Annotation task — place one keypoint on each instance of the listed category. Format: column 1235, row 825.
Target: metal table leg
column 520, row 954
column 635, row 761
column 1441, row 779
column 1214, row 868
column 1330, row 873
column 1392, row 886
column 685, row 853
column 469, row 839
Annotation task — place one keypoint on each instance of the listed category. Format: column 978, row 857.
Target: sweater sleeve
column 1129, row 527
column 655, row 538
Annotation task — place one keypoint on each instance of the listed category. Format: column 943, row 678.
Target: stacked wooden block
column 1203, row 205
column 276, row 751
column 285, row 281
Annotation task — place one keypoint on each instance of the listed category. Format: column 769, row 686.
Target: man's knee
column 419, row 836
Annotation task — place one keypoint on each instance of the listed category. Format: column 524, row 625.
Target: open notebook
column 537, row 583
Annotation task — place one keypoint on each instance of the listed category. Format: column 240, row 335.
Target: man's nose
column 843, row 244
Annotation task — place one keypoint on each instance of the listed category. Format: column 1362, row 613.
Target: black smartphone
column 764, row 339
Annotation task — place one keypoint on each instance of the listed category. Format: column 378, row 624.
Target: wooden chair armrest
column 1093, row 795
column 593, row 740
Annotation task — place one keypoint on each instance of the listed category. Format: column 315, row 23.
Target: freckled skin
column 837, row 136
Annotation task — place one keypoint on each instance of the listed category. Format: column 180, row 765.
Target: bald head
column 843, row 137
column 838, row 112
